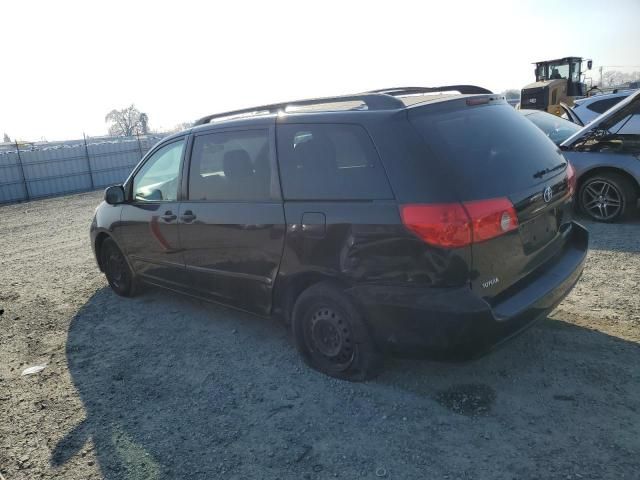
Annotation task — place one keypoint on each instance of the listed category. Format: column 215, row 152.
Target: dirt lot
column 162, row 386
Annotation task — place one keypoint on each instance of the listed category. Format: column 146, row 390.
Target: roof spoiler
column 462, row 89
column 373, row 101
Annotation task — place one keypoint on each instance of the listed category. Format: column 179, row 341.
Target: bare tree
column 182, row 126
column 613, row 78
column 6, row 138
column 511, row 94
column 127, row 122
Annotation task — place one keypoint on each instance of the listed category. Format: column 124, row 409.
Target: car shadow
column 177, row 388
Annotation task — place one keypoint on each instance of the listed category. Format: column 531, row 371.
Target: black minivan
column 409, row 220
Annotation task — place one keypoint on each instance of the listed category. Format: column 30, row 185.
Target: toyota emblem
column 547, row 194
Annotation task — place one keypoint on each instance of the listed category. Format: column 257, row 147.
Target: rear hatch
column 512, row 181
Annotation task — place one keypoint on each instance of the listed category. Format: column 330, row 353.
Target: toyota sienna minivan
column 406, row 220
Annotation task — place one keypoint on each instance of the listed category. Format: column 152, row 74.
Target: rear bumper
column 457, row 323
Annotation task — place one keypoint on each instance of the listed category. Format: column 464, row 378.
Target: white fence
column 49, row 170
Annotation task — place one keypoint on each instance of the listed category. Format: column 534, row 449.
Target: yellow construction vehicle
column 559, row 80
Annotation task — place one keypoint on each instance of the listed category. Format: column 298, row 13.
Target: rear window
column 329, row 162
column 490, row 150
column 556, row 128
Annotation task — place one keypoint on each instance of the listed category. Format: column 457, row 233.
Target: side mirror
column 114, row 195
column 589, row 64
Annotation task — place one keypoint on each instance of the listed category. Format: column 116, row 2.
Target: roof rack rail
column 373, row 101
column 463, row 89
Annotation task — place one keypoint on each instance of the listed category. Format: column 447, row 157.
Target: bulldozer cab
column 557, row 81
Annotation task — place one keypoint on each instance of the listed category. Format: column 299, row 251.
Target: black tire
column 116, row 269
column 332, row 337
column 607, row 197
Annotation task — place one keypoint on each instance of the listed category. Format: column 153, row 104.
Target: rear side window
column 231, row 166
column 602, row 106
column 330, row 162
column 490, row 151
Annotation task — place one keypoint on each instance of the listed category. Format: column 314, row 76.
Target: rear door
column 149, row 219
column 339, row 207
column 492, row 152
column 232, row 220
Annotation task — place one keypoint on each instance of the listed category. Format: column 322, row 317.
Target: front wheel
column 332, row 337
column 116, row 269
column 607, row 198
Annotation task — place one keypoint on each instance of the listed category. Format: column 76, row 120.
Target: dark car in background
column 402, row 220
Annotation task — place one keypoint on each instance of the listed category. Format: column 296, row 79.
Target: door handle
column 187, row 216
column 168, row 216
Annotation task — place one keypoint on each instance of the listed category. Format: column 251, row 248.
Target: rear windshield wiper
column 542, row 173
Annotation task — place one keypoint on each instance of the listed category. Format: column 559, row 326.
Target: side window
column 157, row 180
column 602, row 106
column 330, row 162
column 231, row 166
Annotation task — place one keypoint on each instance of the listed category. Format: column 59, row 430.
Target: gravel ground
column 162, row 386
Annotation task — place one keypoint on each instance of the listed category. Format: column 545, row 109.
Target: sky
column 66, row 64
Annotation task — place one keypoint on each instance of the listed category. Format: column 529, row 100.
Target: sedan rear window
column 490, row 150
column 554, row 127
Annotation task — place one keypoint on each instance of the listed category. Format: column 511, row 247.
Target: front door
column 232, row 221
column 149, row 219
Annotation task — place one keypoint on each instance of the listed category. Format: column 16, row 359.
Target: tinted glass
column 330, row 162
column 231, row 166
column 602, row 106
column 491, row 150
column 556, row 128
column 158, row 178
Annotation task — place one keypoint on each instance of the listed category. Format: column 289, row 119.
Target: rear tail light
column 571, row 178
column 446, row 225
column 453, row 225
column 491, row 218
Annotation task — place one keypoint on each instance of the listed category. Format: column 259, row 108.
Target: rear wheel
column 116, row 269
column 607, row 198
column 332, row 337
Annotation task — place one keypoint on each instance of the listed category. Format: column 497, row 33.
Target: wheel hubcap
column 331, row 337
column 601, row 199
column 115, row 266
